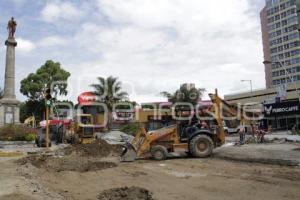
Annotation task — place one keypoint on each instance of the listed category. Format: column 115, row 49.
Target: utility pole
column 47, row 124
column 252, row 103
column 48, row 98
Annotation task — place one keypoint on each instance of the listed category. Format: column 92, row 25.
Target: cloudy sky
column 151, row 45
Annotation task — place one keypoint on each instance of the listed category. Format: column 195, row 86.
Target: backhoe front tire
column 201, row 146
column 159, row 152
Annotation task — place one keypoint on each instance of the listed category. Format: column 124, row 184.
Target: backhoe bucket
column 129, row 154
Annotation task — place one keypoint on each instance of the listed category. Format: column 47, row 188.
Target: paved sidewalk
column 26, row 148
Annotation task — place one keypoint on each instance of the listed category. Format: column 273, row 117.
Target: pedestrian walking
column 242, row 134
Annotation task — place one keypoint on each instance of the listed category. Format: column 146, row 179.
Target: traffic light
column 48, row 97
column 48, row 94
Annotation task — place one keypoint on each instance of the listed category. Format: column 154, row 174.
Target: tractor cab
column 189, row 124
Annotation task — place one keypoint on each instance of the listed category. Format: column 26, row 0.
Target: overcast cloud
column 151, row 45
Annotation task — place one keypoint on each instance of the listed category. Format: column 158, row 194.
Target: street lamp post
column 252, row 103
column 250, row 81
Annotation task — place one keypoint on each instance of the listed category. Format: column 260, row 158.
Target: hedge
column 17, row 133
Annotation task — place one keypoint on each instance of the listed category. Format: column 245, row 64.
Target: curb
column 4, row 154
column 15, row 142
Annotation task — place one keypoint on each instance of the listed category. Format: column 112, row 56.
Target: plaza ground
column 172, row 179
column 246, row 172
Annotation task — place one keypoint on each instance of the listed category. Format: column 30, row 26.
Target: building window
column 287, row 63
column 287, row 55
column 278, row 33
column 277, row 25
column 284, row 22
column 295, row 52
column 296, row 78
column 295, row 61
column 270, row 20
column 274, row 50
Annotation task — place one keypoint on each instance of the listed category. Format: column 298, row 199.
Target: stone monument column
column 9, row 85
column 9, row 105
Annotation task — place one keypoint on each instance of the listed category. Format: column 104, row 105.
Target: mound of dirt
column 79, row 157
column 126, row 193
column 97, row 148
column 68, row 163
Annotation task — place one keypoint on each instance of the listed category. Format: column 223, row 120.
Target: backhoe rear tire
column 201, row 146
column 159, row 152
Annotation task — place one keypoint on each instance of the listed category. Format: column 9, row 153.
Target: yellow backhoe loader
column 82, row 130
column 195, row 140
column 30, row 121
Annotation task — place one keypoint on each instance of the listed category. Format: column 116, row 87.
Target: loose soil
column 79, row 157
column 187, row 179
column 125, row 193
column 85, row 172
column 69, row 163
column 16, row 196
column 97, row 148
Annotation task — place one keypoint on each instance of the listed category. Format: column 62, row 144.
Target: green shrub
column 130, row 129
column 17, row 133
column 30, row 137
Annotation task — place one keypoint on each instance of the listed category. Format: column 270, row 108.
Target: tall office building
column 280, row 22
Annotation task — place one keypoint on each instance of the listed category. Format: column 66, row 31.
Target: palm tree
column 183, row 94
column 109, row 91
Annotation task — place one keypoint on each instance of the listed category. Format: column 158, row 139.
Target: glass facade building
column 280, row 20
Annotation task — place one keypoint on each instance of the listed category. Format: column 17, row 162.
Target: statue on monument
column 9, row 105
column 11, row 27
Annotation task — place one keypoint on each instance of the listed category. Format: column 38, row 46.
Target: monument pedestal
column 9, row 105
column 9, row 111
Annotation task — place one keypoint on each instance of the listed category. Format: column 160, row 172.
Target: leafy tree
column 49, row 75
column 29, row 108
column 34, row 85
column 109, row 91
column 184, row 94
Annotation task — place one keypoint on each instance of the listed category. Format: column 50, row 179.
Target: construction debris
column 116, row 137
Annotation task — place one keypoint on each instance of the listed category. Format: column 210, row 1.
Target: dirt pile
column 79, row 157
column 97, row 148
column 126, row 193
column 68, row 163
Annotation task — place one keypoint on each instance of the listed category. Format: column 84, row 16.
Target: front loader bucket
column 129, row 154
